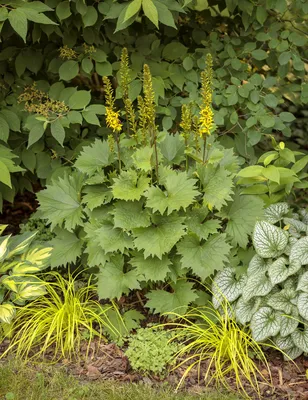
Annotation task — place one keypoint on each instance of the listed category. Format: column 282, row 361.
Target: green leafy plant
column 219, row 348
column 259, row 53
column 43, row 232
column 282, row 171
column 151, row 351
column 272, row 296
column 21, row 260
column 147, row 206
column 57, row 322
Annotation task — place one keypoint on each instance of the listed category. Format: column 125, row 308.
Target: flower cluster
column 112, row 116
column 186, row 121
column 67, row 53
column 206, row 113
column 38, row 102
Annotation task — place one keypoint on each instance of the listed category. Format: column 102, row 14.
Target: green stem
column 153, row 131
column 118, row 150
column 186, row 146
column 204, row 149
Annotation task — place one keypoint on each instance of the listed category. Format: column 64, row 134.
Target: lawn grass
column 50, row 383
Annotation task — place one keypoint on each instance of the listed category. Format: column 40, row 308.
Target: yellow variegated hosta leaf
column 19, row 244
column 25, row 267
column 7, row 312
column 38, row 256
column 2, row 228
column 4, row 248
column 6, row 266
column 10, row 282
column 26, row 291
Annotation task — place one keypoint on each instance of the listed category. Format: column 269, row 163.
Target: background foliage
column 259, row 51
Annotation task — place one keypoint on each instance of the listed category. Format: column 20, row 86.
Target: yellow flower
column 112, row 120
column 206, row 112
column 206, row 121
column 186, row 120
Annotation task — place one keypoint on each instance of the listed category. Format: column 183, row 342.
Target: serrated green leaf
column 60, row 202
column 196, row 223
column 204, row 257
column 180, row 193
column 269, row 240
column 96, row 196
column 265, row 323
column 129, row 215
column 94, row 157
column 161, row 301
column 151, row 268
column 130, row 186
column 242, row 215
column 113, row 282
column 161, row 236
column 67, row 247
column 112, row 239
column 142, row 158
column 217, row 187
column 172, row 148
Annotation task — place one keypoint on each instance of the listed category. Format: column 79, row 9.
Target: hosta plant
column 272, row 297
column 21, row 259
column 146, row 207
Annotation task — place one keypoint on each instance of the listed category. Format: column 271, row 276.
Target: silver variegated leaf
column 297, row 225
column 303, row 283
column 245, row 310
column 304, row 215
column 300, row 339
column 265, row 323
column 281, row 301
column 269, row 240
column 257, row 285
column 292, row 353
column 226, row 285
column 257, row 265
column 291, row 243
column 277, row 271
column 300, row 251
column 291, row 283
column 275, row 212
column 288, row 325
column 302, row 305
column 284, row 342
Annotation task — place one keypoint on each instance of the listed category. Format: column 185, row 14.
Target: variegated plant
column 20, row 261
column 273, row 295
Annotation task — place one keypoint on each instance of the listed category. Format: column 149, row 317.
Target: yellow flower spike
column 124, row 73
column 149, row 96
column 112, row 117
column 206, row 119
column 142, row 120
column 186, row 121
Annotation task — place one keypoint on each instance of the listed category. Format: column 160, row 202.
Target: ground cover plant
column 272, row 295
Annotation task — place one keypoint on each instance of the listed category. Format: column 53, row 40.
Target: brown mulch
column 14, row 214
column 108, row 361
